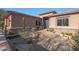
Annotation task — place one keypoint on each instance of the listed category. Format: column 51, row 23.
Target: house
column 61, row 22
column 16, row 21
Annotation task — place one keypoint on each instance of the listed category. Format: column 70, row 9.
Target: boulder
column 55, row 42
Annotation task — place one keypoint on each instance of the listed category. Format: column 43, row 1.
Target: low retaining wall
column 74, row 31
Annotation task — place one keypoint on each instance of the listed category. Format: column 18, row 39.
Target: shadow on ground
column 17, row 40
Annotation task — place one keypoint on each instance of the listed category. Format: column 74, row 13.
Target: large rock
column 55, row 42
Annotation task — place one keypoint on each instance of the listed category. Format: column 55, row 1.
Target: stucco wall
column 7, row 22
column 73, row 24
column 17, row 21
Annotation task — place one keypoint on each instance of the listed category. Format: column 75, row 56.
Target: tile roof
column 63, row 13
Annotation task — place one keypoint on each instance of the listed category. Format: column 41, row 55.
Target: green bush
column 76, row 38
column 63, row 33
column 70, row 34
column 67, row 33
column 29, row 41
column 50, row 29
column 33, row 29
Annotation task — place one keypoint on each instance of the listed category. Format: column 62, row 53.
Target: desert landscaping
column 51, row 31
column 42, row 40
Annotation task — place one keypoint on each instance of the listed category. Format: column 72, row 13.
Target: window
column 62, row 21
column 38, row 23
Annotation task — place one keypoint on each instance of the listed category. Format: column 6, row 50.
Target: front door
column 46, row 24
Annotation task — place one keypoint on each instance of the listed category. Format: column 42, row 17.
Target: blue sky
column 37, row 11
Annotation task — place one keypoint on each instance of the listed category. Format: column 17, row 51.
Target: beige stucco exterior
column 15, row 21
column 7, row 22
column 18, row 21
column 73, row 23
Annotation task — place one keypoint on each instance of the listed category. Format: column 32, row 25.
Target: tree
column 2, row 14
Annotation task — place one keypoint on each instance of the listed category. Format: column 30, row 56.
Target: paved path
column 4, row 46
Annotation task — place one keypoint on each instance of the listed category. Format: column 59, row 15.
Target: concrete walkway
column 4, row 46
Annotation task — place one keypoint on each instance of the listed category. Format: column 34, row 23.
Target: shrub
column 40, row 28
column 67, row 33
column 33, row 30
column 63, row 33
column 29, row 41
column 50, row 29
column 70, row 34
column 76, row 38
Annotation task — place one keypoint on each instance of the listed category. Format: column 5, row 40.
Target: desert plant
column 33, row 30
column 70, row 34
column 50, row 29
column 67, row 33
column 40, row 28
column 29, row 40
column 76, row 38
column 63, row 33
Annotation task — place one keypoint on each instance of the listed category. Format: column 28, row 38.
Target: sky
column 37, row 11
